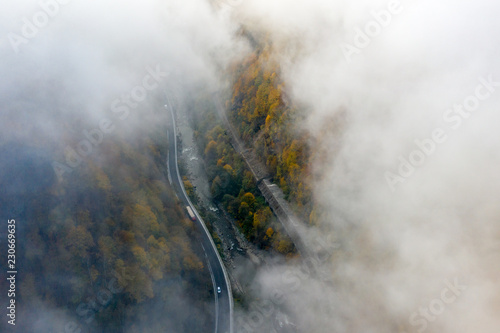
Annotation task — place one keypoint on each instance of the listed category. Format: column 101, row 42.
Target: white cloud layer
column 402, row 239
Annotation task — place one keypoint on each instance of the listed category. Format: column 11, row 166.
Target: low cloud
column 398, row 248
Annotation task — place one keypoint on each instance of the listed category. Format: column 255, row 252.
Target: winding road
column 223, row 300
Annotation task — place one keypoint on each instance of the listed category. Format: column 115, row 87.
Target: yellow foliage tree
column 270, row 232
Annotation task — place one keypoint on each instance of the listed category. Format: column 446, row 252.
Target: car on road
column 218, row 290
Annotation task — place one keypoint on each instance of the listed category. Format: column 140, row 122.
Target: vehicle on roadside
column 190, row 213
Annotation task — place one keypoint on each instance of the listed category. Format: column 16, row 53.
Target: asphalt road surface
column 223, row 300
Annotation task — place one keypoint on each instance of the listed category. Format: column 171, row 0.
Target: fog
column 69, row 68
column 414, row 225
column 407, row 230
column 84, row 55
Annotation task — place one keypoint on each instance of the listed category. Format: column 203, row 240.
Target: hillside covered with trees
column 266, row 122
column 232, row 184
column 108, row 247
column 258, row 108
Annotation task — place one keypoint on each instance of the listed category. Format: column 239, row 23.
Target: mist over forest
column 375, row 120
